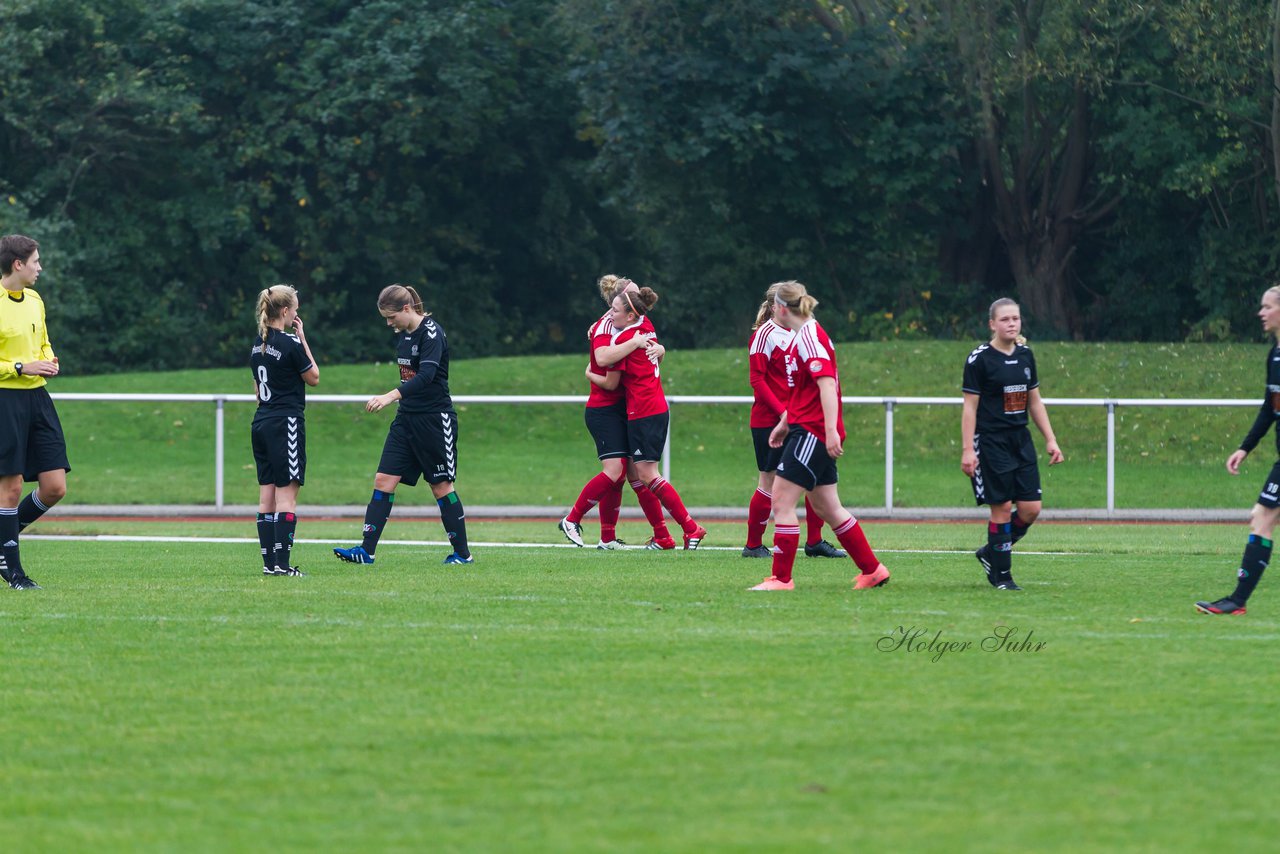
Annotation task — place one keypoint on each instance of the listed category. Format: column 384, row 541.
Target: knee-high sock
column 286, row 524
column 31, row 509
column 267, row 538
column 855, row 543
column 1020, row 528
column 592, row 492
column 454, row 519
column 675, row 506
column 1000, row 548
column 812, row 524
column 610, row 505
column 652, row 508
column 758, row 517
column 375, row 518
column 1257, row 554
column 786, row 539
column 9, row 543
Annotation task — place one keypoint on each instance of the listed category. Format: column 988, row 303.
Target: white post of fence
column 218, row 453
column 666, row 450
column 888, row 456
column 1111, row 458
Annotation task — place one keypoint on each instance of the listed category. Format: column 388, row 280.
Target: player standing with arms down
column 32, row 445
column 1001, row 388
column 282, row 368
column 422, row 439
column 811, row 436
column 606, row 417
column 771, row 385
column 1262, row 521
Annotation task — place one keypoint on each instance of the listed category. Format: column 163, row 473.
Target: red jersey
column 767, row 365
column 600, row 335
column 640, row 377
column 812, row 355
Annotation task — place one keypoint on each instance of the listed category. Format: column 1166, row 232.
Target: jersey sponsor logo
column 1015, row 399
column 789, row 361
column 407, row 373
column 268, row 350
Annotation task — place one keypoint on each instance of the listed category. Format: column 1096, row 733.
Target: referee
column 32, row 447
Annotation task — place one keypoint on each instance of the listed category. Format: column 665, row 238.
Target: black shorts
column 422, row 444
column 608, row 426
column 31, row 439
column 805, row 460
column 1270, row 494
column 1007, row 468
column 767, row 458
column 280, row 449
column 646, row 436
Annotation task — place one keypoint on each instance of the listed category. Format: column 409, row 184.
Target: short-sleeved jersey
column 811, row 357
column 1269, row 412
column 278, row 366
column 23, row 337
column 767, row 370
column 423, row 357
column 601, row 335
column 1003, row 383
column 641, row 378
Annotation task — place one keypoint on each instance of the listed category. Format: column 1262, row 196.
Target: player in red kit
column 811, row 436
column 648, row 416
column 771, row 385
column 606, row 418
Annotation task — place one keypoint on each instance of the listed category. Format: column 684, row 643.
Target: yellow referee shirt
column 23, row 337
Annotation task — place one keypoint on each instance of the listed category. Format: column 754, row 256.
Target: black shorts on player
column 280, row 449
column 608, row 427
column 805, row 460
column 421, row 444
column 1269, row 497
column 31, row 438
column 646, row 437
column 1007, row 468
column 767, row 458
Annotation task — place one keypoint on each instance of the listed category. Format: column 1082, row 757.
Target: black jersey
column 1269, row 412
column 423, row 356
column 1003, row 385
column 277, row 367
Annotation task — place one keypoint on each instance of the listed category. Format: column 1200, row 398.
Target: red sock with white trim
column 812, row 524
column 855, row 543
column 590, row 496
column 652, row 508
column 786, row 539
column 675, row 506
column 610, row 505
column 758, row 517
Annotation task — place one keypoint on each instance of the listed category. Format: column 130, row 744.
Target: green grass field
column 167, row 697
column 131, row 453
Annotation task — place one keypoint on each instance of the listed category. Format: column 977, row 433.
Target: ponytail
column 765, row 311
column 395, row 297
column 795, row 296
column 272, row 302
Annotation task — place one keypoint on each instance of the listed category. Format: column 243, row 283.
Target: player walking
column 282, row 368
column 811, row 435
column 32, row 445
column 1001, row 388
column 771, row 385
column 423, row 437
column 606, row 417
column 1262, row 521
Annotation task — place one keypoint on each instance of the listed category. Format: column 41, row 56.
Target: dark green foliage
column 175, row 157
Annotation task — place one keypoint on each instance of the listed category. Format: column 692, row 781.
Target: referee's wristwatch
column 17, row 366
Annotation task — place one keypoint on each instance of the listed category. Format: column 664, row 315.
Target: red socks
column 610, row 504
column 652, row 508
column 758, row 517
column 671, row 500
column 855, row 543
column 590, row 496
column 786, row 539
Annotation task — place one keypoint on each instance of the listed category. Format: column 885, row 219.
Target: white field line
column 130, row 538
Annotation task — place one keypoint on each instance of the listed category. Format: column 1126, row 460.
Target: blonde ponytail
column 272, row 302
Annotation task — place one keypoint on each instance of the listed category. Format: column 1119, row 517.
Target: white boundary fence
column 888, row 403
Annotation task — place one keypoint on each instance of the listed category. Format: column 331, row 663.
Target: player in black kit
column 1000, row 389
column 422, row 440
column 281, row 362
column 1266, row 512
